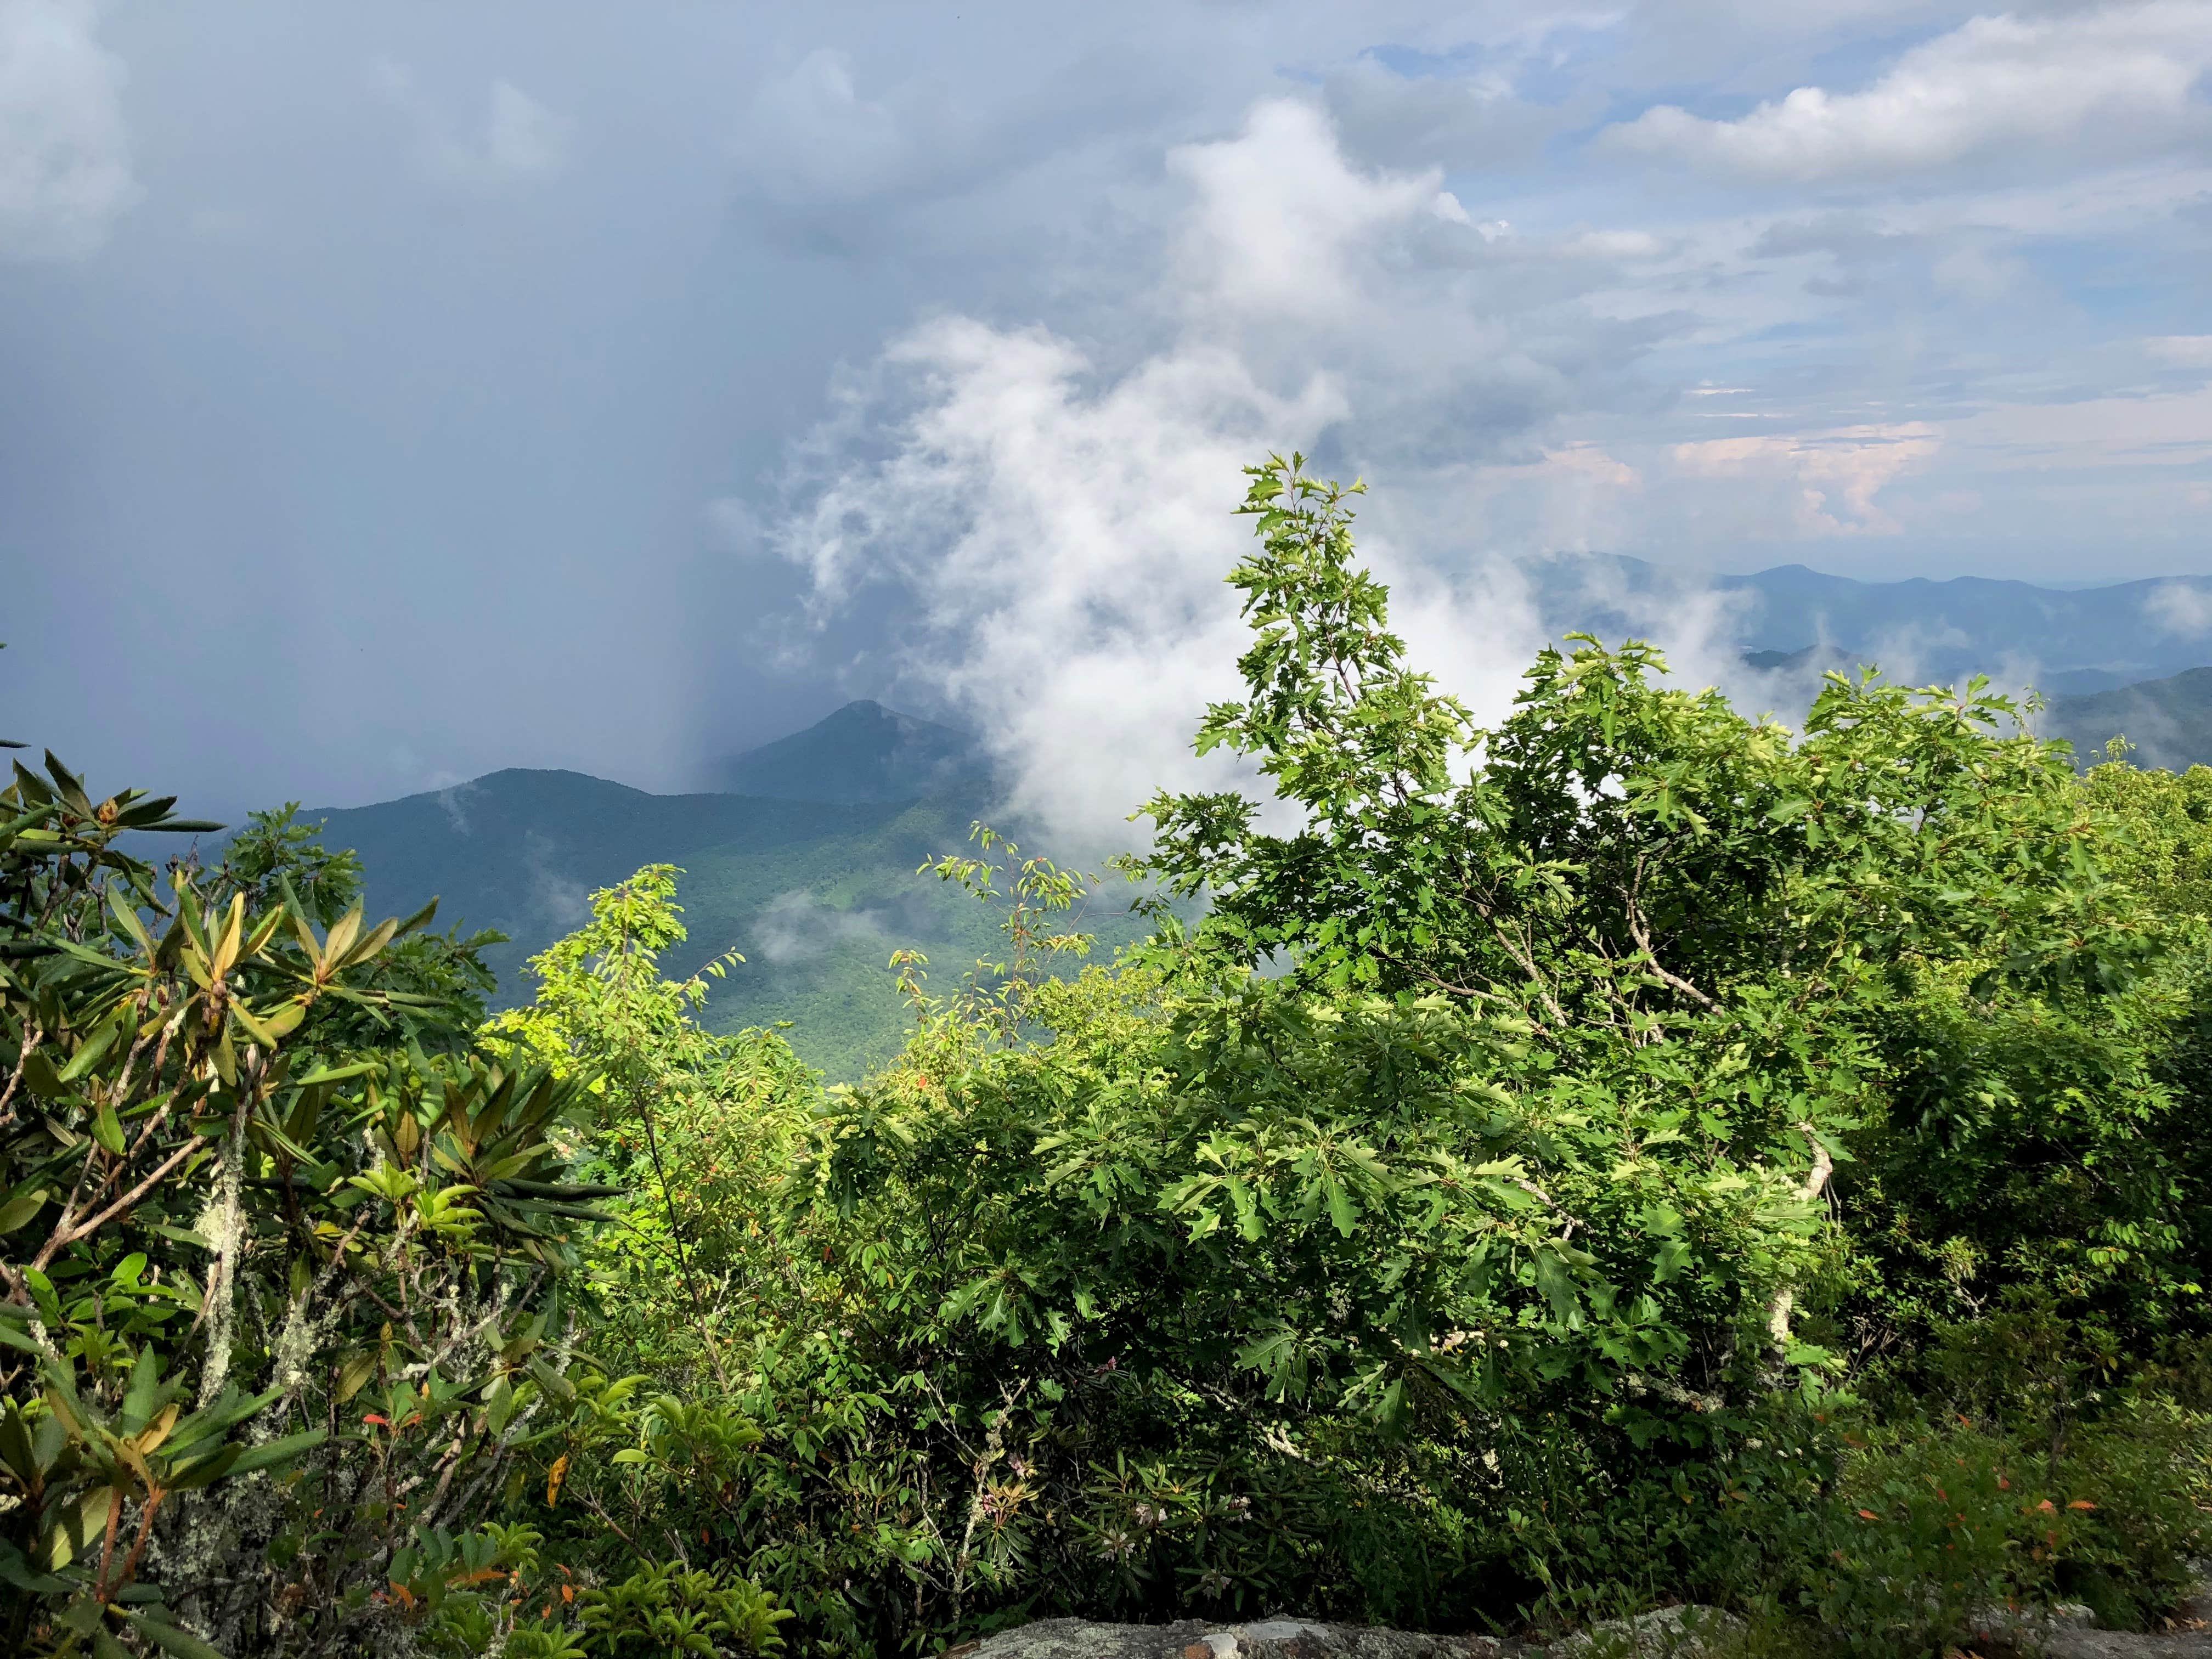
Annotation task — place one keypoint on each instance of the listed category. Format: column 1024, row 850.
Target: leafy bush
column 283, row 1307
column 1470, row 1267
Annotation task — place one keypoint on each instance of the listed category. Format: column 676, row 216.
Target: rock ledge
column 1676, row 1632
column 1267, row 1638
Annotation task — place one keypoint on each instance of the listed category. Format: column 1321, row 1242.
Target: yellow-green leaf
column 76, row 1528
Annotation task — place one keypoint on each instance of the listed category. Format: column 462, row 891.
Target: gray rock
column 1268, row 1638
column 2066, row 1632
column 2191, row 1638
column 1689, row 1631
column 1678, row 1632
column 2036, row 1626
column 2080, row 1642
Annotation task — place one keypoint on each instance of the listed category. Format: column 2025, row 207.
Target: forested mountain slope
column 2168, row 721
column 815, row 893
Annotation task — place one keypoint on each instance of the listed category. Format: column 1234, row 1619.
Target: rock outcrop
column 1669, row 1633
column 1677, row 1632
column 1267, row 1638
column 2189, row 1635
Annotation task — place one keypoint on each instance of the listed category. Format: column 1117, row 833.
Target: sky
column 396, row 393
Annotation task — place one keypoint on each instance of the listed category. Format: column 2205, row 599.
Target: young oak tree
column 1645, row 883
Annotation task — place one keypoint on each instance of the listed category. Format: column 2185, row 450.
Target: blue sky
column 397, row 392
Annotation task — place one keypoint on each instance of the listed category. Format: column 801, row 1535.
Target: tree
column 1524, row 1081
column 275, row 1306
column 667, row 1093
column 1630, row 869
column 438, row 984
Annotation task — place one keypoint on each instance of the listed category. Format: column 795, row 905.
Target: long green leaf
column 278, row 1451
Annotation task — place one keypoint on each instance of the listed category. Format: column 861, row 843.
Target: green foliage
column 1632, row 1153
column 1487, row 1206
column 282, row 1307
column 439, row 984
column 275, row 853
column 1625, row 849
column 665, row 1612
column 668, row 1094
column 2164, row 848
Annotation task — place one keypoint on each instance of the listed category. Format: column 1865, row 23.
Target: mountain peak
column 863, row 751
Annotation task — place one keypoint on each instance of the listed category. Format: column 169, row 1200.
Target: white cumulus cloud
column 1285, row 227
column 65, row 172
column 1058, row 526
column 2108, row 80
column 1833, row 476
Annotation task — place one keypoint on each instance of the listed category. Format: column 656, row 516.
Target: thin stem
column 675, row 1231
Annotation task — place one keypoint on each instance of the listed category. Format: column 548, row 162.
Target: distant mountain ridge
column 815, row 894
column 519, row 850
column 863, row 752
column 811, row 873
column 2166, row 722
column 2064, row 642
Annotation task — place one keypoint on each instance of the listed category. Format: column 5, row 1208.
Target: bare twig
column 1815, row 1183
column 1639, row 931
column 69, row 1233
column 34, row 1034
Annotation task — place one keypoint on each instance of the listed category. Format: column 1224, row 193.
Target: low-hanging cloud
column 551, row 896
column 2184, row 609
column 1060, row 542
column 1057, row 527
column 797, row 927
